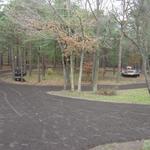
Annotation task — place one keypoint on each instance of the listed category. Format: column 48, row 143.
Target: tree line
column 32, row 30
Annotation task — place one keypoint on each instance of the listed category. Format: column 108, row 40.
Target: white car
column 130, row 72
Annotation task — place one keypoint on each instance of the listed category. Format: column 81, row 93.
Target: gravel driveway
column 30, row 119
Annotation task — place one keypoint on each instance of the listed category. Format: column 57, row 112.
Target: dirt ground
column 30, row 119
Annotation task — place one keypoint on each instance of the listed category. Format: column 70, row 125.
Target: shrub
column 50, row 71
column 108, row 92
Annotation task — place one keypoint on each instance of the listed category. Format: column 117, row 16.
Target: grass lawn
column 53, row 79
column 138, row 96
column 133, row 145
column 146, row 145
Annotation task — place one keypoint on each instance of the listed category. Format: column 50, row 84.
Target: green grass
column 57, row 75
column 146, row 145
column 138, row 96
column 138, row 145
column 54, row 78
column 34, row 77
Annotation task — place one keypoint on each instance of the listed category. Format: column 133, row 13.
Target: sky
column 3, row 2
column 106, row 4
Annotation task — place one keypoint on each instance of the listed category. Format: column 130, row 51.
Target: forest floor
column 55, row 77
column 31, row 119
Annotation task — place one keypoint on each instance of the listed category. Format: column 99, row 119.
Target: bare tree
column 139, row 26
column 121, row 18
column 81, row 57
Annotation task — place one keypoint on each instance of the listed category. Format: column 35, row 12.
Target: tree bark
column 38, row 66
column 21, row 63
column 43, row 67
column 66, row 79
column 30, row 60
column 17, row 57
column 96, row 71
column 13, row 64
column 72, row 72
column 64, row 72
column 93, row 67
column 97, row 53
column 1, row 60
column 54, row 58
column 143, row 54
column 81, row 57
column 81, row 71
column 148, row 66
column 9, row 56
column 145, row 73
column 120, row 57
column 24, row 61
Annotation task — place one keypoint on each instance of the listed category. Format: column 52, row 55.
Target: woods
column 40, row 34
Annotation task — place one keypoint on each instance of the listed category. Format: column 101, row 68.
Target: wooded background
column 75, row 37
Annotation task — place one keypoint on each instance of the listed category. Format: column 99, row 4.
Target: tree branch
column 55, row 11
column 92, row 10
column 133, row 42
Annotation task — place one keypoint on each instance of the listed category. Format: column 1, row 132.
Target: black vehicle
column 18, row 74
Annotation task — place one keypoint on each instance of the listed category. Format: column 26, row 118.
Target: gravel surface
column 30, row 119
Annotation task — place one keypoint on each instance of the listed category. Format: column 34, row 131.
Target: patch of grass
column 132, row 145
column 51, row 77
column 146, row 145
column 106, row 92
column 138, row 96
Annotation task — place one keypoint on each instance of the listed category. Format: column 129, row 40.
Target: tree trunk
column 93, row 67
column 81, row 71
column 96, row 71
column 97, row 53
column 43, row 67
column 38, row 66
column 68, row 73
column 148, row 66
column 13, row 64
column 72, row 71
column 21, row 63
column 1, row 60
column 54, row 58
column 143, row 54
column 114, row 71
column 120, row 58
column 9, row 56
column 64, row 72
column 82, row 58
column 145, row 73
column 17, row 57
column 24, row 61
column 30, row 60
column 66, row 79
column 103, row 67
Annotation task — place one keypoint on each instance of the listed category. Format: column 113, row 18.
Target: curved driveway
column 32, row 120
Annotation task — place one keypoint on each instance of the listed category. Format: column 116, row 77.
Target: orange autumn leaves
column 75, row 43
column 70, row 41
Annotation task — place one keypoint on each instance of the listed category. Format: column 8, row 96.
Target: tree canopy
column 106, row 31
